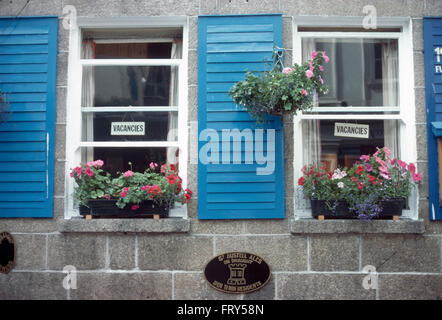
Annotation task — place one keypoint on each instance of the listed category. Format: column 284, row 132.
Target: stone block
column 294, row 249
column 419, row 69
column 334, row 253
column 30, row 250
column 192, row 67
column 169, row 225
column 83, row 251
column 193, row 103
column 31, row 225
column 62, row 69
column 59, row 177
column 239, row 6
column 404, row 253
column 267, row 226
column 61, row 104
column 287, row 33
column 123, row 286
column 353, row 8
column 194, row 286
column 410, row 287
column 33, row 8
column 433, row 8
column 418, row 35
column 314, row 226
column 422, row 167
column 420, row 105
column 178, row 252
column 122, row 252
column 322, row 287
column 60, row 142
column 421, row 142
column 160, row 7
column 193, row 33
column 32, row 286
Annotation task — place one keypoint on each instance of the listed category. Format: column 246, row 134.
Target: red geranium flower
column 301, row 181
column 359, row 170
column 172, row 179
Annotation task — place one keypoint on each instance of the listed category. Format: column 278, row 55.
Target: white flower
column 341, row 184
column 338, row 174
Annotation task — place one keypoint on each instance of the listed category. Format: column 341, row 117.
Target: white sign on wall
column 353, row 130
column 128, row 128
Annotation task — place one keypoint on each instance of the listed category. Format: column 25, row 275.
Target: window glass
column 361, row 72
column 130, row 126
column 339, row 143
column 106, row 86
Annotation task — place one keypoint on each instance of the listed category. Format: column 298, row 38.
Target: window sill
column 167, row 225
column 313, row 226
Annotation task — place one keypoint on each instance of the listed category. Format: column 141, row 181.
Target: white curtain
column 88, row 93
column 176, row 53
column 310, row 128
column 390, row 92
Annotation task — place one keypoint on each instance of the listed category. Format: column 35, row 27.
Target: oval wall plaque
column 7, row 252
column 237, row 272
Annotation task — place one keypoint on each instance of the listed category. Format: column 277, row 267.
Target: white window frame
column 406, row 112
column 74, row 143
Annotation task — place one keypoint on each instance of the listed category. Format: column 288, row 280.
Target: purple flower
column 369, row 167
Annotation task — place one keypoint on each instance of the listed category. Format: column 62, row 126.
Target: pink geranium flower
column 314, row 54
column 304, row 92
column 326, row 59
column 128, row 174
column 89, row 172
column 412, row 168
column 309, row 73
column 417, row 177
column 287, row 70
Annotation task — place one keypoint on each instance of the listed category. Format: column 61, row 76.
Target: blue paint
column 228, row 46
column 28, row 68
column 433, row 92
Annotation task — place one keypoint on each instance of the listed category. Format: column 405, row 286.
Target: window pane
column 105, row 86
column 117, row 159
column 361, row 72
column 130, row 126
column 330, row 141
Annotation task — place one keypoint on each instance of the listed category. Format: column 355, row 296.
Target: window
column 127, row 96
column 370, row 87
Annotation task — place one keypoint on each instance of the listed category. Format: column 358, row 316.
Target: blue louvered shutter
column 227, row 47
column 433, row 92
column 28, row 56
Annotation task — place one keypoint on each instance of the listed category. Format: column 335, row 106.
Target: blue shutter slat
column 28, row 57
column 23, row 136
column 23, row 58
column 228, row 47
column 22, row 146
column 238, row 57
column 433, row 91
column 23, row 68
column 21, row 186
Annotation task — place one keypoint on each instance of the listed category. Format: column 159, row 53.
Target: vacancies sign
column 128, row 128
column 352, row 130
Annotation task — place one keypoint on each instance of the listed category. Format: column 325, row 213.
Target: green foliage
column 280, row 90
column 129, row 188
column 375, row 178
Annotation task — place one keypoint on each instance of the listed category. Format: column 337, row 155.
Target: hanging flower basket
column 281, row 90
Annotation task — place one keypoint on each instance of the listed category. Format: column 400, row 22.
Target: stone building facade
column 147, row 259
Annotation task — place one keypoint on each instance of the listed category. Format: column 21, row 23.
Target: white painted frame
column 74, row 144
column 406, row 112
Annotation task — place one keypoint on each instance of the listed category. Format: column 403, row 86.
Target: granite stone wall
column 165, row 260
